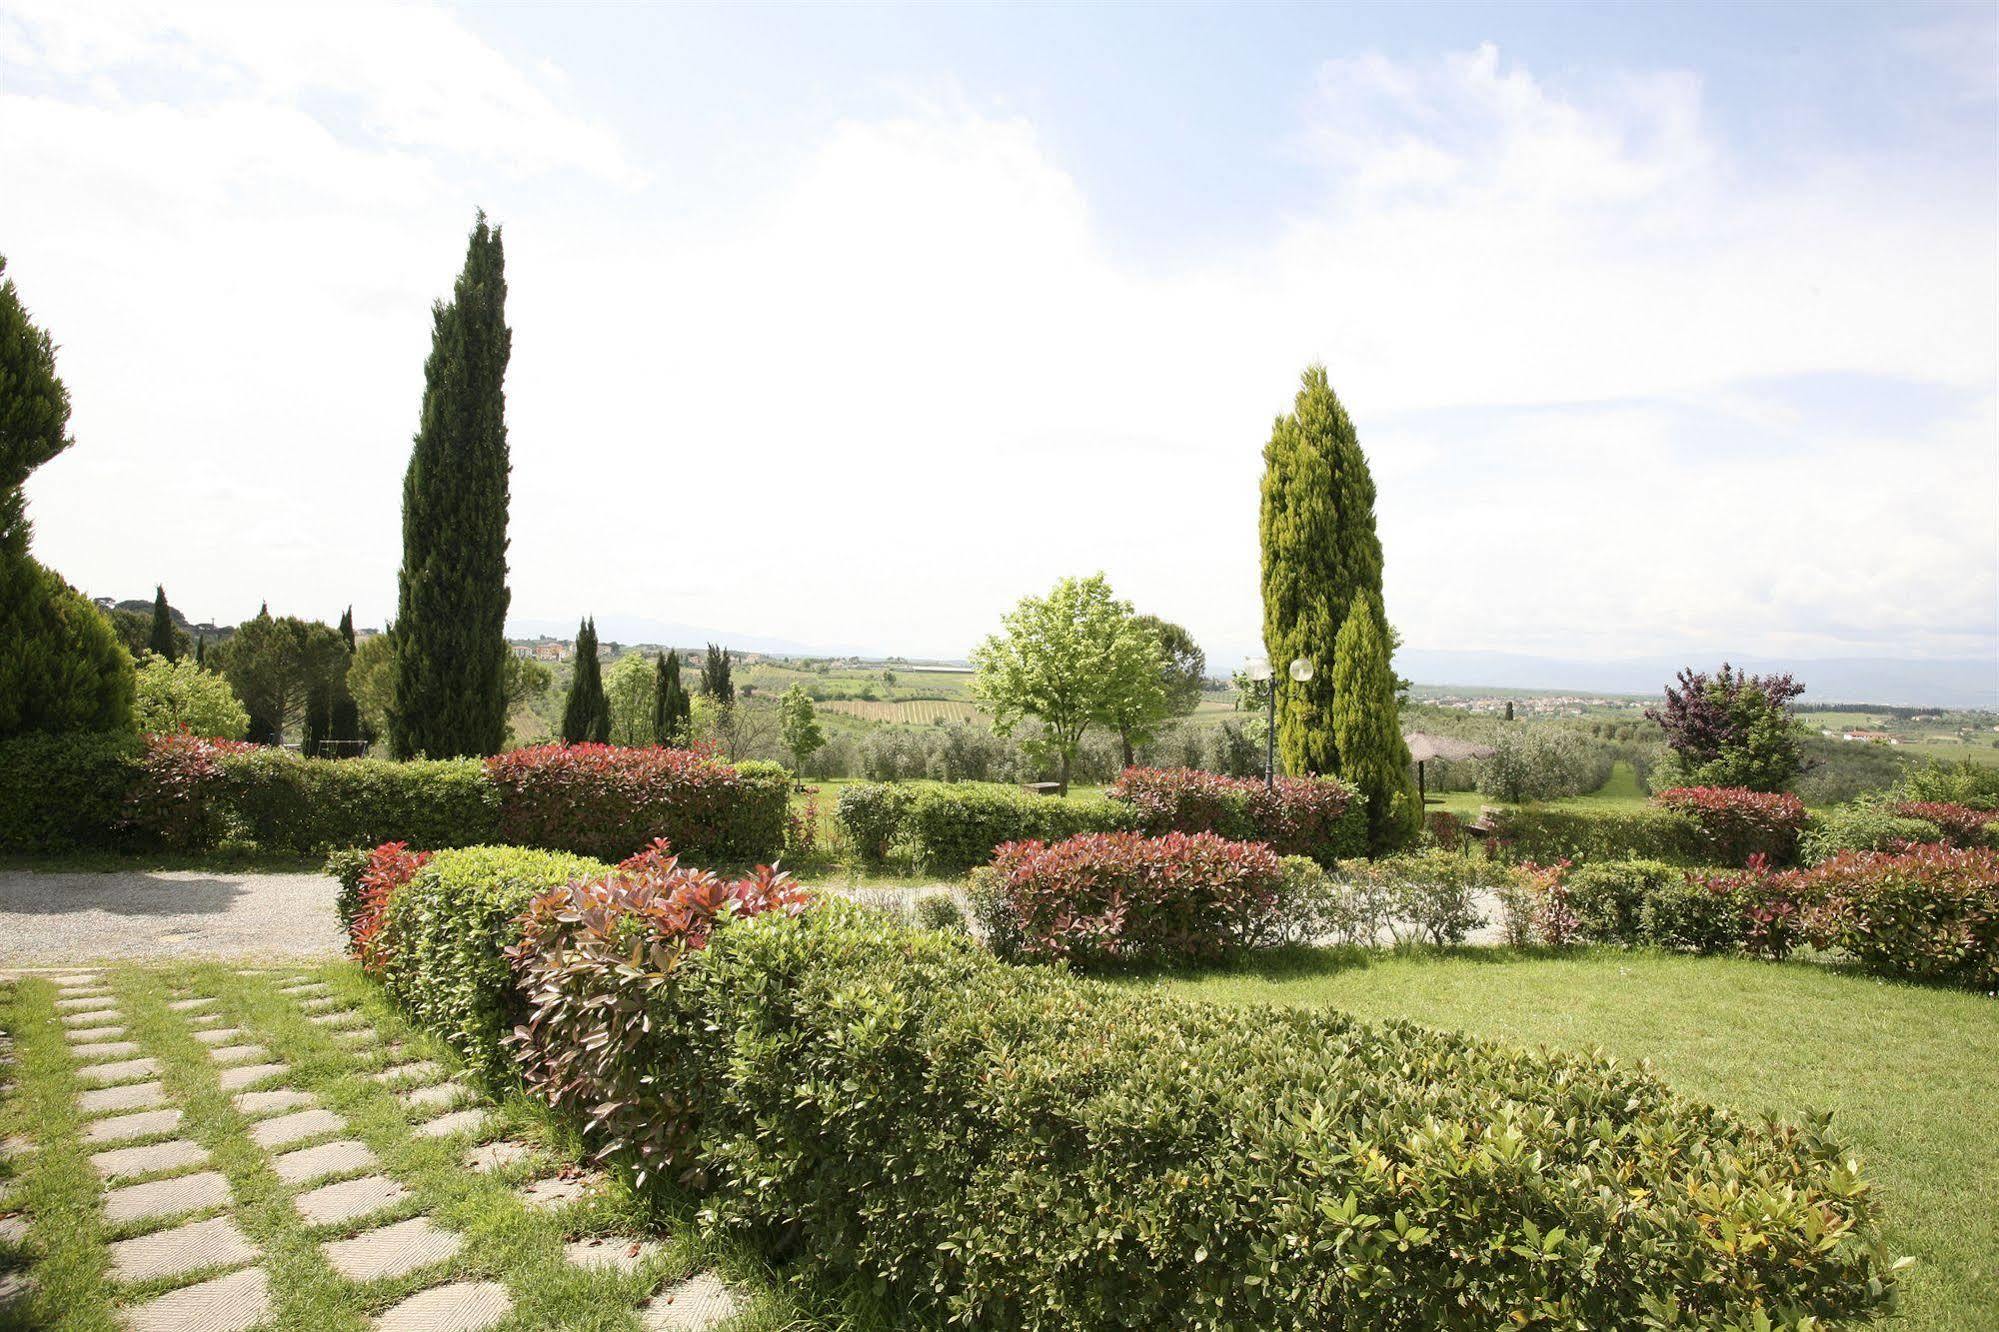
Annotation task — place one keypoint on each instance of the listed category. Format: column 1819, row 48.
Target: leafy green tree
column 61, row 665
column 715, row 680
column 1073, row 659
column 1730, row 729
column 673, row 711
column 629, row 691
column 798, row 725
column 277, row 666
column 1367, row 722
column 1319, row 549
column 175, row 696
column 527, row 680
column 1182, row 665
column 586, row 716
column 451, row 606
column 161, row 640
column 371, row 683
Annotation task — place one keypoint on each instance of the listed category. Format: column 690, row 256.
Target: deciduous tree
column 629, row 691
column 175, row 696
column 1730, row 729
column 798, row 724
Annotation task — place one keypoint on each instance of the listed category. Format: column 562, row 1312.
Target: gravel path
column 70, row 918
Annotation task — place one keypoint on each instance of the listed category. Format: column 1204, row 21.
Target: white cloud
column 881, row 402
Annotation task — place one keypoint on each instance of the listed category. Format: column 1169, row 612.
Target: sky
column 1666, row 329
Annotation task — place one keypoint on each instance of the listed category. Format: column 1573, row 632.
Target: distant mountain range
column 1946, row 683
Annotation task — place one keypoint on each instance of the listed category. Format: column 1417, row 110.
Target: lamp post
column 1259, row 670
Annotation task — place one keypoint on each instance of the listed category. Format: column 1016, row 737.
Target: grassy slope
column 1911, row 1074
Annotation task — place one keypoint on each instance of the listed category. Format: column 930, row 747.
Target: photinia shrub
column 177, row 791
column 1125, row 897
column 1320, row 817
column 609, row 800
column 594, row 957
column 389, row 867
column 1738, row 823
column 1962, row 825
column 1927, row 913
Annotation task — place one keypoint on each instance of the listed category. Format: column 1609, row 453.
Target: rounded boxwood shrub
column 952, row 828
column 1862, row 827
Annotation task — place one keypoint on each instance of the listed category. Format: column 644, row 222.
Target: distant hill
column 1948, row 683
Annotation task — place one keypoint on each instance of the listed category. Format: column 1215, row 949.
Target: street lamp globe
column 1301, row 669
column 1259, row 669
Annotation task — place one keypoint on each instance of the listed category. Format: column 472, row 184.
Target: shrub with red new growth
column 608, row 800
column 1928, row 913
column 592, row 956
column 1961, row 824
column 390, row 866
column 1302, row 816
column 1738, row 823
column 1126, row 897
column 176, row 796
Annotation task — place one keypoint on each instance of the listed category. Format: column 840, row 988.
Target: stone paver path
column 175, row 1243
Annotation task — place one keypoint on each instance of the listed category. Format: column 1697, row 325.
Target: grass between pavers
column 1910, row 1073
column 504, row 1240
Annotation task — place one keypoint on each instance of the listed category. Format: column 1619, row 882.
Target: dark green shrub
column 1545, row 836
column 1607, row 897
column 65, row 792
column 939, row 911
column 950, row 829
column 305, row 806
column 1691, row 913
column 347, row 865
column 871, row 815
column 62, row 668
column 444, row 939
column 1865, row 827
column 1000, row 1147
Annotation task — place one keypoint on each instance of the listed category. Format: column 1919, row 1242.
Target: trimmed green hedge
column 66, row 792
column 1546, row 835
column 447, row 932
column 991, row 1146
column 949, row 829
column 283, row 802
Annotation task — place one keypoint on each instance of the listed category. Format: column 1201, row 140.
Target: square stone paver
column 95, row 1017
column 235, row 1079
column 125, row 1070
column 695, row 1304
column 345, row 1017
column 322, row 1003
column 189, row 1005
column 13, row 1230
column 545, row 1195
column 84, row 1035
column 462, row 1306
column 227, row 1304
column 95, row 1003
column 219, row 1035
column 290, row 1128
column 215, row 1242
column 411, row 1072
column 200, row 1020
column 458, row 1121
column 345, row 1157
column 392, row 1251
column 335, row 1204
column 76, row 978
column 440, row 1095
column 150, row 1158
column 267, row 1102
column 137, row 1096
column 141, row 1125
column 105, row 1049
column 238, row 1054
column 610, row 1253
column 166, row 1197
column 498, row 1155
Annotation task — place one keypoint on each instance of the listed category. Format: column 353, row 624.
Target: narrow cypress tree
column 1368, row 728
column 1319, row 549
column 715, row 681
column 201, row 651
column 586, row 714
column 672, row 709
column 344, row 723
column 451, row 604
column 161, row 640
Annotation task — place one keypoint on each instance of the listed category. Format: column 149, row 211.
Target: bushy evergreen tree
column 1368, row 728
column 673, row 710
column 62, row 667
column 715, row 681
column 1319, row 549
column 451, row 607
column 586, row 714
column 162, row 641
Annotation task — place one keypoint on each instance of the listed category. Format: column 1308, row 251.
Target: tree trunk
column 1124, row 738
column 1067, row 756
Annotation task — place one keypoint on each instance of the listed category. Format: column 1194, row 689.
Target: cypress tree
column 451, row 603
column 586, row 714
column 1368, row 728
column 161, row 640
column 344, row 722
column 715, row 681
column 1319, row 550
column 201, row 651
column 672, row 709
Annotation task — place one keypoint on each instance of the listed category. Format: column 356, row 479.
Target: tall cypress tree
column 586, row 714
column 451, row 604
column 344, row 723
column 1319, row 549
column 1367, row 725
column 672, row 709
column 161, row 640
column 715, row 681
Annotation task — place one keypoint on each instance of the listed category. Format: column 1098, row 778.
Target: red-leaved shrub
column 591, row 957
column 390, row 866
column 1961, row 824
column 1128, row 897
column 1738, row 823
column 1301, row 816
column 608, row 800
column 1929, row 913
column 175, row 795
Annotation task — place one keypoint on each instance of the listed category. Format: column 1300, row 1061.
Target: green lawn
column 1911, row 1074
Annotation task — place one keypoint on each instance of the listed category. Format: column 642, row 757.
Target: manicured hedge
column 1927, row 913
column 991, row 1146
column 1737, row 823
column 949, row 829
column 871, row 815
column 1863, row 827
column 445, row 934
column 286, row 803
column 610, row 800
column 1320, row 817
column 66, row 792
column 1547, row 835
